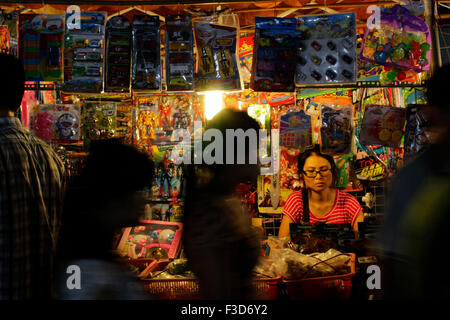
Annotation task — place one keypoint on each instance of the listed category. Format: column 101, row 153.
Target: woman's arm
column 284, row 227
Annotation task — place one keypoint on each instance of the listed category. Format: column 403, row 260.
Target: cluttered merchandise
column 155, row 78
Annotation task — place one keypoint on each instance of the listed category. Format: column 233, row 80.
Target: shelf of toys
column 316, row 79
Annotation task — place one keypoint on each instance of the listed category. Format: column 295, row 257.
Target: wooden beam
column 128, row 3
column 318, row 6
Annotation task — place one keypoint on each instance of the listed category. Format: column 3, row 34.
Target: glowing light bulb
column 213, row 103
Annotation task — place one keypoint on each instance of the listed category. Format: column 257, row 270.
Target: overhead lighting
column 213, row 103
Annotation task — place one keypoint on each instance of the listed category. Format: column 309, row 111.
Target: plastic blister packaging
column 382, row 125
column 401, row 40
column 84, row 54
column 295, row 130
column 56, row 122
column 217, row 65
column 179, row 53
column 40, row 45
column 336, row 129
column 146, row 68
column 274, row 59
column 118, row 54
column 99, row 121
column 327, row 49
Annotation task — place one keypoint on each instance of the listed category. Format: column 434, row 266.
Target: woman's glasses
column 313, row 173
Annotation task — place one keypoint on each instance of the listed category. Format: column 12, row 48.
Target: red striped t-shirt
column 345, row 209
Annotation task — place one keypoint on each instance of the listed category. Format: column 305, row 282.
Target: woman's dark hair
column 315, row 150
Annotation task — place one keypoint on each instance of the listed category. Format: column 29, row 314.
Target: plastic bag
column 274, row 58
column 382, row 125
column 217, row 65
column 179, row 53
column 118, row 54
column 401, row 40
column 146, row 68
column 327, row 49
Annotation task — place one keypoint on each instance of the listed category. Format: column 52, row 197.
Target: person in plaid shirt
column 31, row 192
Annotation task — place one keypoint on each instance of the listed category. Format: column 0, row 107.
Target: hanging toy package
column 58, row 123
column 84, row 53
column 382, row 125
column 217, row 66
column 179, row 53
column 295, row 130
column 146, row 53
column 99, row 121
column 401, row 40
column 336, row 129
column 40, row 43
column 274, row 59
column 417, row 123
column 327, row 49
column 118, row 54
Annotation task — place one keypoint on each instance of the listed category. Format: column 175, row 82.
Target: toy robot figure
column 167, row 172
column 147, row 123
column 181, row 119
column 164, row 110
column 198, row 115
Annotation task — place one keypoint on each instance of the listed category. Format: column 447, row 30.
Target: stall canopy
column 245, row 10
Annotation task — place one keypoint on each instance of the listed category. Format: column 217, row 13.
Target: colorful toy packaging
column 274, row 58
column 157, row 117
column 246, row 57
column 401, row 40
column 124, row 128
column 118, row 54
column 146, row 67
column 336, row 129
column 168, row 184
column 99, row 120
column 295, row 130
column 217, row 66
column 84, row 54
column 382, row 125
column 179, row 53
column 152, row 240
column 416, row 139
column 40, row 46
column 327, row 49
column 58, row 123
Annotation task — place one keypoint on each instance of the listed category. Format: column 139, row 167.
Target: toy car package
column 146, row 68
column 118, row 54
column 336, row 129
column 274, row 58
column 84, row 54
column 59, row 123
column 327, row 49
column 382, row 125
column 40, row 46
column 179, row 54
column 417, row 122
column 217, row 65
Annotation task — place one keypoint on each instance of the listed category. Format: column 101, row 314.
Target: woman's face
column 317, row 181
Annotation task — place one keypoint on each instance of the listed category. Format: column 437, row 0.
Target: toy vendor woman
column 319, row 201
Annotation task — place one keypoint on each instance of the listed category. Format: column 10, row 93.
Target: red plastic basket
column 189, row 289
column 337, row 287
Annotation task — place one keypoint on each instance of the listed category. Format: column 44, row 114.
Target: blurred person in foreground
column 221, row 246
column 31, row 194
column 108, row 195
column 414, row 238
